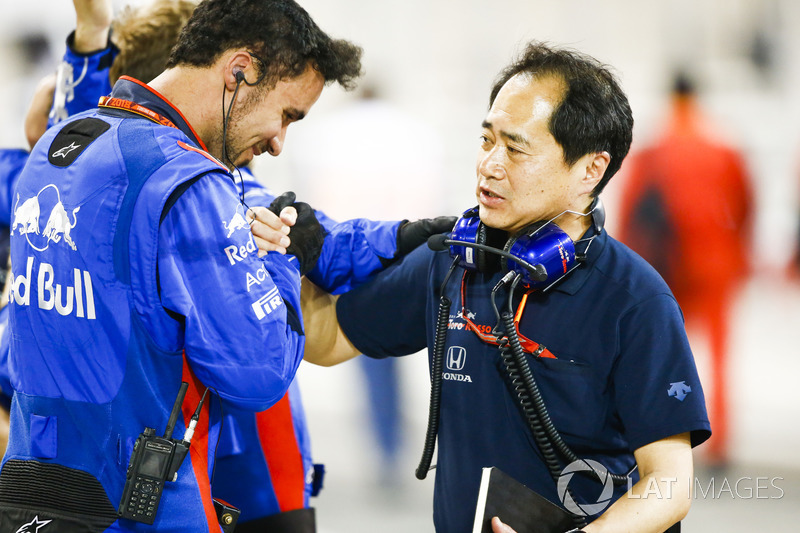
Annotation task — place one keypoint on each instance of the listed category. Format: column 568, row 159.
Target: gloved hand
column 412, row 234
column 307, row 234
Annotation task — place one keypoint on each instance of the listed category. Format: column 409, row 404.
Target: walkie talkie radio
column 154, row 461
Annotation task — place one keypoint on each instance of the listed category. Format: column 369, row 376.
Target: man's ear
column 238, row 63
column 595, row 169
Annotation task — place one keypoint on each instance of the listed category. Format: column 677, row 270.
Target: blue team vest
column 94, row 358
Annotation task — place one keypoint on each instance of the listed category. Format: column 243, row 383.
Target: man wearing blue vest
column 124, row 225
column 561, row 362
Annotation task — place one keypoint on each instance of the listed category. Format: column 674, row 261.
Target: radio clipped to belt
column 154, row 461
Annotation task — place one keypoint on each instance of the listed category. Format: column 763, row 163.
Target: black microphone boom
column 438, row 243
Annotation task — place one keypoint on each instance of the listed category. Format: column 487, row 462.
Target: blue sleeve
column 352, row 250
column 11, row 164
column 243, row 329
column 656, row 386
column 256, row 194
column 387, row 316
column 80, row 81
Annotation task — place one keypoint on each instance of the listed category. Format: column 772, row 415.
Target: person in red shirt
column 687, row 209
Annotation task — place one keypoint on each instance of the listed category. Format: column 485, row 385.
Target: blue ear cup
column 542, row 243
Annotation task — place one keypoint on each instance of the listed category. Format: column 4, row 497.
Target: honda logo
column 456, row 357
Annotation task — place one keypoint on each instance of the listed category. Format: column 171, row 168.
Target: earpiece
column 239, row 76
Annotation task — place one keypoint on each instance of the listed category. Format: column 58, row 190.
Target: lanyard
column 529, row 346
column 126, row 105
column 133, row 107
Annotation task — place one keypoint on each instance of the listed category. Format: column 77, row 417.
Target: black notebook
column 516, row 505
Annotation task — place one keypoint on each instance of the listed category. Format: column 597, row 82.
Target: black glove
column 412, row 234
column 307, row 234
column 284, row 200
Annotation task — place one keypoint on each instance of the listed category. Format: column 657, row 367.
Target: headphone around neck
column 541, row 252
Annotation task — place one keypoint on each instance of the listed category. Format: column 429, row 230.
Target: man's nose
column 275, row 145
column 491, row 165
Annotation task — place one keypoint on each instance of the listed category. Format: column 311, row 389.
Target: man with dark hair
column 284, row 42
column 139, row 278
column 566, row 356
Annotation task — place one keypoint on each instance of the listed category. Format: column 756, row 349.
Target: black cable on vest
column 437, row 363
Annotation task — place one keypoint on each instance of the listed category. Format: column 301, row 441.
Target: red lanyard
column 119, row 103
column 529, row 346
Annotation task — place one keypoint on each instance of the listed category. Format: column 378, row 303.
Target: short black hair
column 594, row 114
column 279, row 33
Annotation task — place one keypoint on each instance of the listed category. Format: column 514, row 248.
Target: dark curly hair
column 593, row 115
column 280, row 34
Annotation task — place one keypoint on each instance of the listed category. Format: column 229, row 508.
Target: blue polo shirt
column 623, row 375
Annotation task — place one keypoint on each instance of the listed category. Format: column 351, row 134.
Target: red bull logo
column 236, row 223
column 65, row 299
column 58, row 226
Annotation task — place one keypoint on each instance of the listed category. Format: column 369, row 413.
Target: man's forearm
column 326, row 343
column 92, row 25
column 663, row 494
column 650, row 506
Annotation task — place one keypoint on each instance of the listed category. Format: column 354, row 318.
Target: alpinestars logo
column 64, row 152
column 33, row 526
column 58, row 226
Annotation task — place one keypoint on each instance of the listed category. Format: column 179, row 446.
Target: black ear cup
column 484, row 261
column 598, row 212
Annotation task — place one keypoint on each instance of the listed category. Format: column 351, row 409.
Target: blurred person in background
column 687, row 208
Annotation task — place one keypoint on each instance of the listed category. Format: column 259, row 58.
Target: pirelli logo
column 267, row 304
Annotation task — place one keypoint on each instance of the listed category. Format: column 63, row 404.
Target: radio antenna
column 176, row 409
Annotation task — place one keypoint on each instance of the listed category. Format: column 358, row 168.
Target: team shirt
column 615, row 371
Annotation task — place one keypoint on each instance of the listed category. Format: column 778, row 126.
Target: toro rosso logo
column 60, row 222
column 563, row 254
